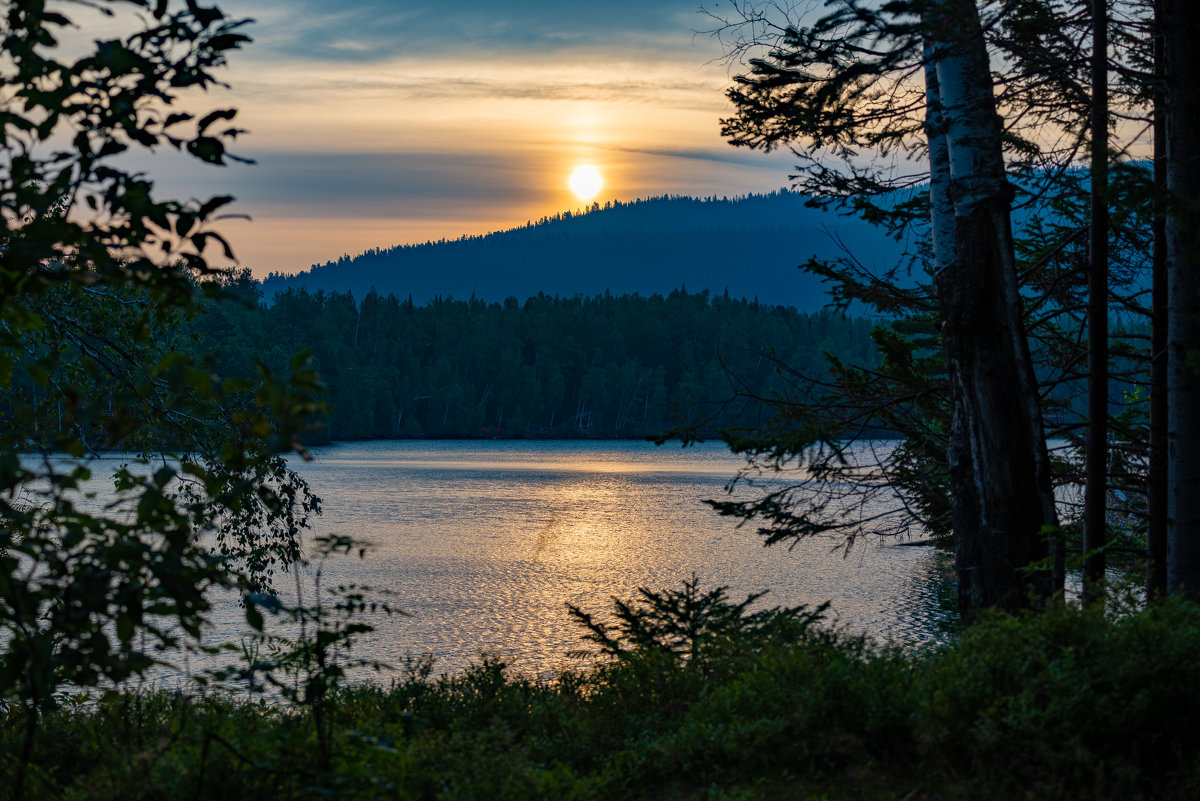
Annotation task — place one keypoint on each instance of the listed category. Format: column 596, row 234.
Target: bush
column 1064, row 705
column 1070, row 705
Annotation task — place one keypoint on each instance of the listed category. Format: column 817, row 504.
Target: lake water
column 484, row 544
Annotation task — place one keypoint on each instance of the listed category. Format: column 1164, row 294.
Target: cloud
column 370, row 30
column 377, row 184
column 722, row 155
column 448, row 81
column 492, row 184
column 618, row 90
column 438, row 83
column 354, row 183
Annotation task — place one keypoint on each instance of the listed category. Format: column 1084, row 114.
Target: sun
column 585, row 182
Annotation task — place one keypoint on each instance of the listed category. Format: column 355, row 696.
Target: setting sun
column 585, row 182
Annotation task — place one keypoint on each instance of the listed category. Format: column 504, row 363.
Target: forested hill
column 750, row 246
column 604, row 366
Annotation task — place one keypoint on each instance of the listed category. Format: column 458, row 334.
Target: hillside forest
column 747, row 245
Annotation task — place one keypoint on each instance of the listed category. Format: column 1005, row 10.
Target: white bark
column 941, row 207
column 1001, row 500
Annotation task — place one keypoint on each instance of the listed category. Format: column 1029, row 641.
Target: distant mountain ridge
column 749, row 246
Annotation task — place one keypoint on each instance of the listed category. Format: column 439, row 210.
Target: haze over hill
column 750, row 246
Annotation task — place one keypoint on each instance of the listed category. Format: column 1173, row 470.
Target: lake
column 483, row 543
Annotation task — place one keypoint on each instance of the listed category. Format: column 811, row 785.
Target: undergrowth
column 691, row 697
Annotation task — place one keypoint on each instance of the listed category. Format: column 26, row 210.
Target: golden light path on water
column 484, row 543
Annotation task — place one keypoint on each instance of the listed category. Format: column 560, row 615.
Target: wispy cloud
column 619, row 90
column 382, row 29
column 719, row 155
column 401, row 86
column 379, row 184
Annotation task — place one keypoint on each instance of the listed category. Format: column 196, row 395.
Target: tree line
column 603, row 366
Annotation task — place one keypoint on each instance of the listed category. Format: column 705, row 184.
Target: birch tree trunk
column 941, row 207
column 1182, row 60
column 1002, row 504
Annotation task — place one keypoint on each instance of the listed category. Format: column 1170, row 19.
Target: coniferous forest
column 601, row 367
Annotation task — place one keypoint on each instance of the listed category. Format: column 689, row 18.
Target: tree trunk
column 1002, row 505
column 941, row 207
column 1156, row 479
column 1096, row 453
column 1182, row 61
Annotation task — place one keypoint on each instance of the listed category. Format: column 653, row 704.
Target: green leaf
column 212, row 204
column 208, row 149
column 125, row 628
column 214, row 116
column 253, row 616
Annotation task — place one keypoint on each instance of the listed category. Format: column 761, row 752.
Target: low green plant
column 307, row 667
column 1069, row 705
column 691, row 625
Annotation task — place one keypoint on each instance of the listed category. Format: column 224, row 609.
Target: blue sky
column 374, row 123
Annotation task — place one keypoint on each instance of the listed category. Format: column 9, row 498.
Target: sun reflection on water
column 487, row 542
column 484, row 543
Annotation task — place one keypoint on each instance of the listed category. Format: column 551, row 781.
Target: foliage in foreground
column 1065, row 705
column 96, row 273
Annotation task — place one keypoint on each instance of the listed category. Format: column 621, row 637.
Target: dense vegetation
column 94, row 268
column 1066, row 706
column 604, row 366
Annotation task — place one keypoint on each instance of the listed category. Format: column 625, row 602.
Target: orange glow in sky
column 374, row 124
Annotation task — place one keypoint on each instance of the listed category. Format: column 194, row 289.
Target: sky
column 378, row 122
